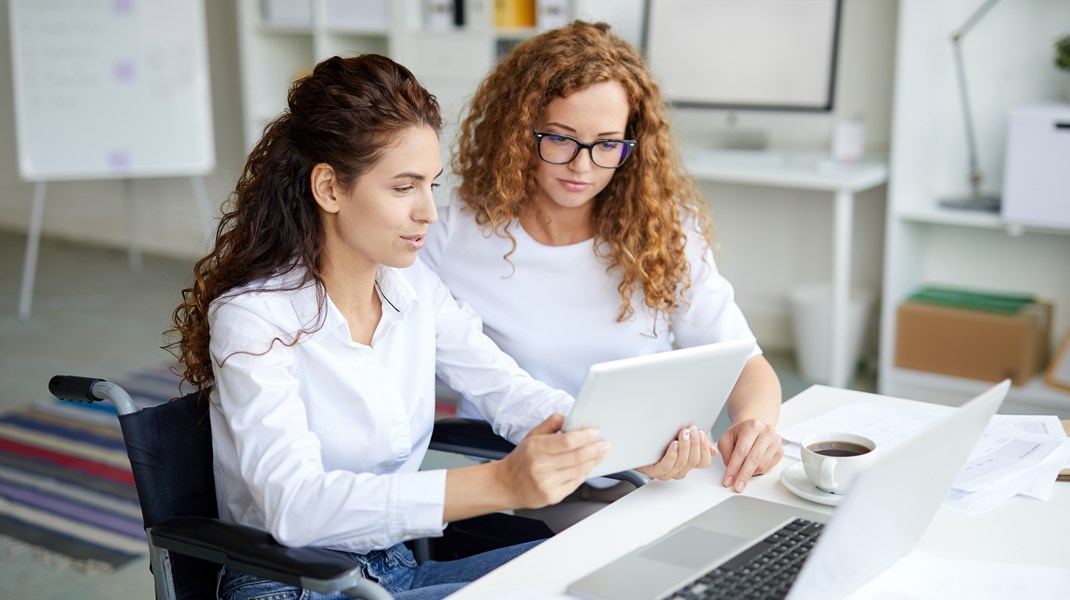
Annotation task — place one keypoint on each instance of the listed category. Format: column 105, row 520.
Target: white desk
column 809, row 172
column 1020, row 531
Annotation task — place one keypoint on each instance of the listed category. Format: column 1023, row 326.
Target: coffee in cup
column 832, row 461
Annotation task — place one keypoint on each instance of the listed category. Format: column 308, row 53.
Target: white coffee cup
column 832, row 461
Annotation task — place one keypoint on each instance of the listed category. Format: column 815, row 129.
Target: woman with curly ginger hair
column 578, row 238
column 319, row 334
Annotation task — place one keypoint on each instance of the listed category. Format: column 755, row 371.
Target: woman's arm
column 546, row 466
column 751, row 445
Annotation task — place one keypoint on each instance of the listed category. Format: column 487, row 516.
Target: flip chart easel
column 109, row 89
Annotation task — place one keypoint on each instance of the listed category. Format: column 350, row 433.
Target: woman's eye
column 435, row 186
column 558, row 139
column 404, row 189
column 609, row 145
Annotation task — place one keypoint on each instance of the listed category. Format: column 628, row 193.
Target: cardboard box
column 973, row 343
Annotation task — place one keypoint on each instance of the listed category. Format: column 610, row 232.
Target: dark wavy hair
column 346, row 113
column 641, row 216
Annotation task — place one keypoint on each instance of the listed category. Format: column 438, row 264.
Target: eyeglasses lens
column 559, row 150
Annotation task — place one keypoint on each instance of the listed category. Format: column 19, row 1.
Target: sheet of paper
column 1016, row 454
column 1046, row 427
column 916, row 577
column 882, row 424
column 1002, row 455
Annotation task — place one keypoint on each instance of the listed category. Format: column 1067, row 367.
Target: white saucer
column 794, row 478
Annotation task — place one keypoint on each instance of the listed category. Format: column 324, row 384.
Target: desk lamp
column 976, row 200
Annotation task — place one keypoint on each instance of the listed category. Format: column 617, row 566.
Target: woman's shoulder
column 455, row 234
column 282, row 300
column 456, row 215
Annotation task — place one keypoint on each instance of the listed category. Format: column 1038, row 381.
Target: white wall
column 95, row 211
column 1007, row 59
column 772, row 239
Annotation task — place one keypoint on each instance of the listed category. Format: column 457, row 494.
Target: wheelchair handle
column 90, row 390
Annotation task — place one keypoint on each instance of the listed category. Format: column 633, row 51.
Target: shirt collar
column 395, row 290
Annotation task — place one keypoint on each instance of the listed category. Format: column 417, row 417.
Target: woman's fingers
column 692, row 449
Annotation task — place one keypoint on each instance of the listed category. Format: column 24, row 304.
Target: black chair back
column 170, row 450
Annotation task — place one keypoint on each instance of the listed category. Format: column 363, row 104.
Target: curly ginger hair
column 640, row 218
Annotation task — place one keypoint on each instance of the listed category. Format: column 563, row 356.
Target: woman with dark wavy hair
column 319, row 335
column 578, row 238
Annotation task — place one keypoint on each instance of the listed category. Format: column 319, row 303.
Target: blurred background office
column 874, row 95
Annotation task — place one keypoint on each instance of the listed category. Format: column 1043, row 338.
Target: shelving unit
column 926, row 244
column 273, row 55
column 448, row 61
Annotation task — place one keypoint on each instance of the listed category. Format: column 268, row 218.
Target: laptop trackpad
column 692, row 547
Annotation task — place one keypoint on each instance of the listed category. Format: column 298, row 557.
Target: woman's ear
column 325, row 187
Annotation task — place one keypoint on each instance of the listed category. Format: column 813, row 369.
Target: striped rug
column 65, row 482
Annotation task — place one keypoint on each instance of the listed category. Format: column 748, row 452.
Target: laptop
column 880, row 520
column 639, row 404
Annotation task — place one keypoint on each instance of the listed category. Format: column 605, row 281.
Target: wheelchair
column 170, row 451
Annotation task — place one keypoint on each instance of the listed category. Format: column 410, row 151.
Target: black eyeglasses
column 558, row 149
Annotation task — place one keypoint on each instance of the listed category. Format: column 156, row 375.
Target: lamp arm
column 974, row 18
column 967, row 115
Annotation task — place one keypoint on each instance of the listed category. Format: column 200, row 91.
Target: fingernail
column 606, row 447
column 675, row 445
column 728, row 481
column 687, row 434
column 739, row 486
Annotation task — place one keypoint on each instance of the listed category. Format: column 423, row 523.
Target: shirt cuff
column 417, row 504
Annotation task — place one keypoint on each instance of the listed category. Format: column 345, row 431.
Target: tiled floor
column 93, row 316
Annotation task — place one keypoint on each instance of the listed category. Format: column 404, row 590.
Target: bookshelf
column 276, row 46
column 281, row 39
column 927, row 244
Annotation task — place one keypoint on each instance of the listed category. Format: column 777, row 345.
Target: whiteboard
column 111, row 89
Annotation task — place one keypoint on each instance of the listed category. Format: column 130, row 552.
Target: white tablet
column 640, row 404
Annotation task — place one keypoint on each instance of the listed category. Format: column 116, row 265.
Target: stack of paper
column 1016, row 455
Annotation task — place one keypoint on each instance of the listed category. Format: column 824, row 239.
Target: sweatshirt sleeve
column 472, row 364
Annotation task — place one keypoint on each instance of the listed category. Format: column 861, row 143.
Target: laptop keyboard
column 764, row 570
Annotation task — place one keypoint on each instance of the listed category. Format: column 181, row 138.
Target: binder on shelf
column 514, row 14
column 968, row 299
column 551, row 14
column 458, row 13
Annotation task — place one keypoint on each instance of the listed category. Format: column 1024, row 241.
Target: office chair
column 170, row 451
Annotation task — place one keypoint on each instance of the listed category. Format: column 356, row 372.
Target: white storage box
column 358, row 15
column 1036, row 177
column 288, row 12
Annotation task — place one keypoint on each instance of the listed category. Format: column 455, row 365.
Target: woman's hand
column 549, row 465
column 748, row 448
column 692, row 449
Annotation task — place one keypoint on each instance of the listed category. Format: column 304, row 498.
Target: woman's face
column 593, row 113
column 383, row 216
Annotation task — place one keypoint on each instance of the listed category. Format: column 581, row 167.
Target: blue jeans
column 394, row 568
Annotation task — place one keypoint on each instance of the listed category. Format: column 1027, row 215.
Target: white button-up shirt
column 319, row 439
